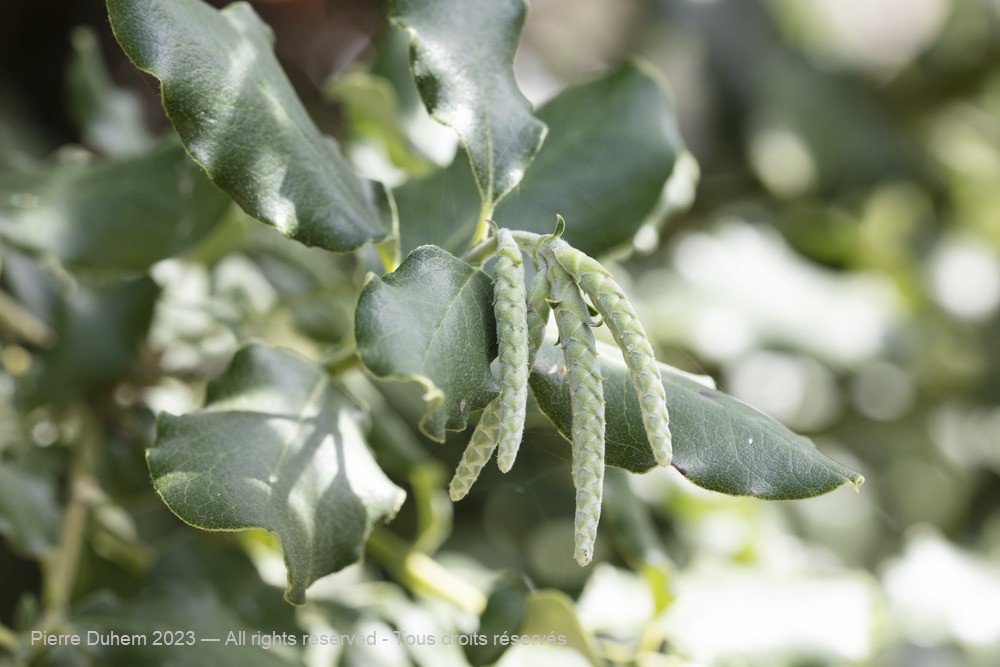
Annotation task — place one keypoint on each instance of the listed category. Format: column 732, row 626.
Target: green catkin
column 538, row 311
column 587, row 400
column 512, row 339
column 611, row 302
column 478, row 452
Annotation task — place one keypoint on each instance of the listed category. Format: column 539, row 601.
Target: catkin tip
column 457, row 491
column 506, row 461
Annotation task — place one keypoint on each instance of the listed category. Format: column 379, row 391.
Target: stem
column 528, row 241
column 422, row 574
column 483, row 225
column 388, row 252
column 478, row 255
column 434, row 508
column 60, row 575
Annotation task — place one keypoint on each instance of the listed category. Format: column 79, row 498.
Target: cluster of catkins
column 562, row 272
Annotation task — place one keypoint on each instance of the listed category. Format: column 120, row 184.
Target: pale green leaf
column 462, row 53
column 611, row 147
column 552, row 611
column 278, row 446
column 504, row 611
column 719, row 443
column 120, row 214
column 431, row 321
column 237, row 114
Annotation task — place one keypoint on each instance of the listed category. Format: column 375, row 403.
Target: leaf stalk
column 420, row 573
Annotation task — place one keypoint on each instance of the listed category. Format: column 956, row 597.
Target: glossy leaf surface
column 611, row 147
column 462, row 54
column 237, row 114
column 720, row 443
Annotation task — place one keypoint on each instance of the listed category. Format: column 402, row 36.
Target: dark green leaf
column 98, row 331
column 109, row 118
column 239, row 117
column 462, row 52
column 29, row 513
column 311, row 284
column 122, row 214
column 719, row 443
column 441, row 209
column 631, row 523
column 431, row 321
column 611, row 147
column 200, row 583
column 222, row 563
column 178, row 609
column 504, row 613
column 277, row 446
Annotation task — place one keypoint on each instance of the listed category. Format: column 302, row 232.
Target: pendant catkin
column 478, row 451
column 512, row 339
column 587, row 400
column 538, row 311
column 611, row 302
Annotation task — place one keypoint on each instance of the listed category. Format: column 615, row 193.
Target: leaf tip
column 295, row 595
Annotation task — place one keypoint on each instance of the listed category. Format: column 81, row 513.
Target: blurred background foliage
column 831, row 256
